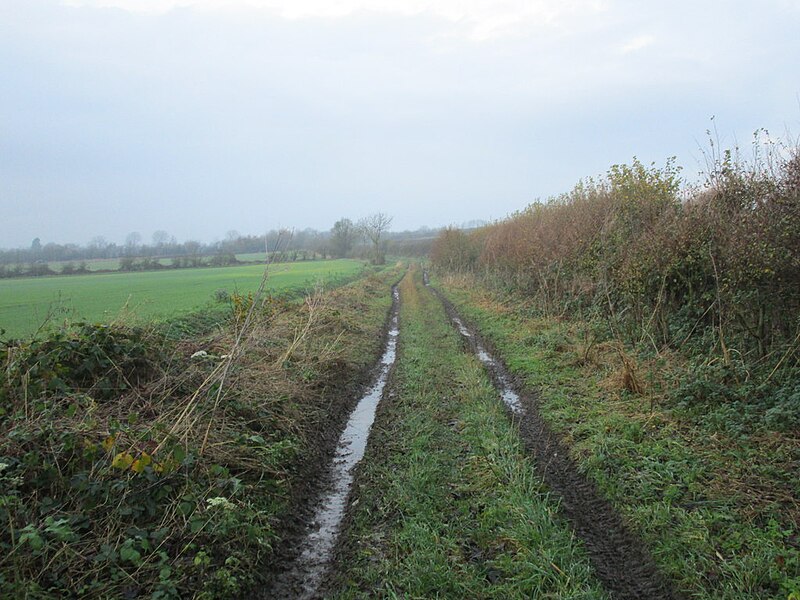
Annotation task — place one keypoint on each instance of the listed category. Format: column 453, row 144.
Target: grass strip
column 446, row 503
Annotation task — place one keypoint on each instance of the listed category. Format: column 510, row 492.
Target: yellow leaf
column 123, row 460
column 140, row 463
column 165, row 467
column 108, row 443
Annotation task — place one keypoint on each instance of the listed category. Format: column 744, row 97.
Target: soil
column 620, row 559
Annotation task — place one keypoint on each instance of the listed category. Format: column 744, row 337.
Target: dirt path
column 619, row 558
column 423, row 497
column 447, row 503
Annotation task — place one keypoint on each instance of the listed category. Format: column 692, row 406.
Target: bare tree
column 160, row 238
column 373, row 227
column 132, row 242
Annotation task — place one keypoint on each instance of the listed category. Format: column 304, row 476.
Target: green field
column 26, row 303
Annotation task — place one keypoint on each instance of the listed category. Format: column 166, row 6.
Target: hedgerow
column 710, row 269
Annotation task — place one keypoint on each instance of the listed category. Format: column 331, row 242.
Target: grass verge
column 716, row 504
column 446, row 503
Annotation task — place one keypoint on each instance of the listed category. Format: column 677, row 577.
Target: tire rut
column 309, row 553
column 620, row 559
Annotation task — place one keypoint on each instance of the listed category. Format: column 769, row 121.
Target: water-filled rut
column 306, row 573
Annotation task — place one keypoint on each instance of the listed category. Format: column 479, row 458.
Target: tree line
column 367, row 238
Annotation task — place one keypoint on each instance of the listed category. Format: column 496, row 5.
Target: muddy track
column 307, row 551
column 620, row 559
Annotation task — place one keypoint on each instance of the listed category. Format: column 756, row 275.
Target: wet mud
column 305, row 570
column 620, row 559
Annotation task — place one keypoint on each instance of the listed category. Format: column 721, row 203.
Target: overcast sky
column 202, row 116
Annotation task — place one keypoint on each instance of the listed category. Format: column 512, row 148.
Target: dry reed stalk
column 315, row 303
column 235, row 350
column 186, row 420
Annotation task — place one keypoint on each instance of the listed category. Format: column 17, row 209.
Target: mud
column 311, row 556
column 620, row 559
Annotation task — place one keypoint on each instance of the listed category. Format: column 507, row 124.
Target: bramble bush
column 105, row 489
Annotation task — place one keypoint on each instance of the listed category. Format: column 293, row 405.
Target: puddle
column 503, row 383
column 305, row 576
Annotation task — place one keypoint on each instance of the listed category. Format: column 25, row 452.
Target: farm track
column 619, row 558
column 447, row 502
column 320, row 552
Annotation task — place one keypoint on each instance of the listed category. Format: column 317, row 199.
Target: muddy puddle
column 306, row 574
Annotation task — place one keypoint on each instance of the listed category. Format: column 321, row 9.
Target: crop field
column 28, row 302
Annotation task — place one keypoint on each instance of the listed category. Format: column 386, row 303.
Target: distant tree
column 160, row 238
column 372, row 228
column 343, row 236
column 98, row 247
column 52, row 251
column 192, row 248
column 36, row 246
column 132, row 241
column 98, row 242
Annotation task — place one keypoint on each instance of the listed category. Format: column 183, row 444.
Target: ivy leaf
column 108, row 443
column 31, row 535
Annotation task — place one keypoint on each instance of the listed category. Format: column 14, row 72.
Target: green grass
column 26, row 303
column 718, row 510
column 447, row 504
